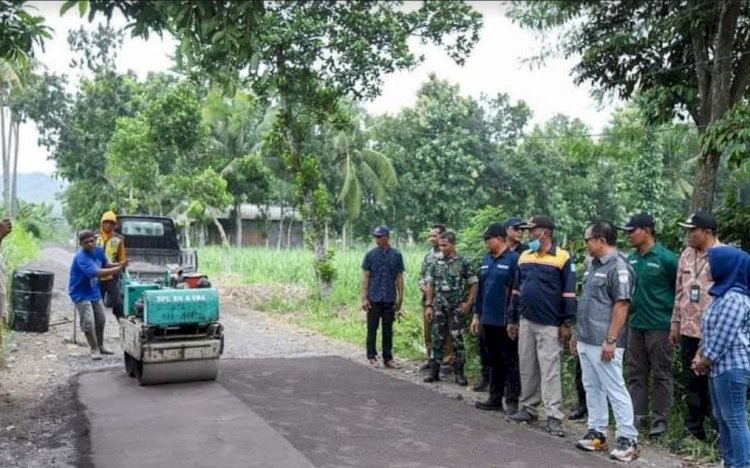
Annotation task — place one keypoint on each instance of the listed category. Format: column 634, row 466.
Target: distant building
column 265, row 226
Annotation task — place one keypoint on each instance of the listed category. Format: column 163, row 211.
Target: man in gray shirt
column 608, row 285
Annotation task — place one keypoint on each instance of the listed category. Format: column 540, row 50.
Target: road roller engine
column 170, row 331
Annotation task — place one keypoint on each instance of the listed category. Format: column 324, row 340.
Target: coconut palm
column 364, row 171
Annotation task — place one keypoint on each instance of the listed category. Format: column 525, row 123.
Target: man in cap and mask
column 547, row 305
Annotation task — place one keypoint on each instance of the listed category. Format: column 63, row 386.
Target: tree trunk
column 202, row 235
column 280, row 234
column 222, row 233
column 289, row 231
column 705, row 181
column 238, row 224
column 187, row 234
column 315, row 221
column 14, row 193
column 344, row 239
column 6, row 157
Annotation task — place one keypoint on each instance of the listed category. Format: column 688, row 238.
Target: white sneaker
column 625, row 450
column 95, row 355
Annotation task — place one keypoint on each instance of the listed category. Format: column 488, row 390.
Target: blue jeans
column 728, row 397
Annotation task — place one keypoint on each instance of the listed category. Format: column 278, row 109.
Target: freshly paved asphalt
column 323, row 412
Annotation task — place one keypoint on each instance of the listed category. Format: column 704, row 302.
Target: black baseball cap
column 539, row 221
column 381, row 231
column 512, row 222
column 700, row 219
column 495, row 230
column 638, row 221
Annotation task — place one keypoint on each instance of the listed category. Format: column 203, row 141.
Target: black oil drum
column 31, row 300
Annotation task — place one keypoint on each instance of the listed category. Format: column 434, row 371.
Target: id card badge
column 695, row 293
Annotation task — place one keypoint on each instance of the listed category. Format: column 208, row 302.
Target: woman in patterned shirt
column 725, row 351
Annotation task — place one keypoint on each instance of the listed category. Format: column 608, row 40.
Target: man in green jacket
column 649, row 348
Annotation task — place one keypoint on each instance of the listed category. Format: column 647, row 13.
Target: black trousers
column 500, row 354
column 696, row 387
column 580, row 391
column 112, row 296
column 380, row 311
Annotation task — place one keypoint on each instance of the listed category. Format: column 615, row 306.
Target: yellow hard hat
column 109, row 216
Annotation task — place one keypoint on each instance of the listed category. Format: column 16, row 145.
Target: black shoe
column 461, row 379
column 521, row 416
column 493, row 403
column 657, row 428
column 434, row 375
column 481, row 386
column 555, row 427
column 699, row 434
column 511, row 408
column 578, row 412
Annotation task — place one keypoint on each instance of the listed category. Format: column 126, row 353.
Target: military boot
column 458, row 372
column 483, row 384
column 434, row 375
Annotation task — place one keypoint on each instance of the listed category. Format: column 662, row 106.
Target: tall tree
column 364, row 172
column 20, row 31
column 312, row 54
column 683, row 55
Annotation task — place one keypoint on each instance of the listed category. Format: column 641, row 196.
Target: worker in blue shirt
column 496, row 277
column 90, row 264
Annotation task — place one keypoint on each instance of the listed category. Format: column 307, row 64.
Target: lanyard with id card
column 695, row 287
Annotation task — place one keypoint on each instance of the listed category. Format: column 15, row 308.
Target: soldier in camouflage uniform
column 429, row 259
column 452, row 288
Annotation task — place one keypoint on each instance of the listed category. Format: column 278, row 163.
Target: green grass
column 339, row 316
column 18, row 248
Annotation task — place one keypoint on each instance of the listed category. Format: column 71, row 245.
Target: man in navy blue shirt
column 497, row 274
column 90, row 264
column 382, row 293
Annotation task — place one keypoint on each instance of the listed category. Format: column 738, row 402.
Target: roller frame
column 168, row 360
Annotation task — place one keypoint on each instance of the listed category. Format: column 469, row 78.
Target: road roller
column 170, row 331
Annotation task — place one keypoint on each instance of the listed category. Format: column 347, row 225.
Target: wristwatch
column 611, row 340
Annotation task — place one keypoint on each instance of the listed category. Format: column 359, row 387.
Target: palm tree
column 10, row 83
column 363, row 171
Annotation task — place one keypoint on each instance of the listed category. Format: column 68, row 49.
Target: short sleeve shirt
column 606, row 280
column 384, row 266
column 451, row 278
column 653, row 299
column 83, row 284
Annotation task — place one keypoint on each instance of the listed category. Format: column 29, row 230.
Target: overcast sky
column 494, row 66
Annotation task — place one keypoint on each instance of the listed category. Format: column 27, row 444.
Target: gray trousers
column 91, row 314
column 650, row 356
column 539, row 352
